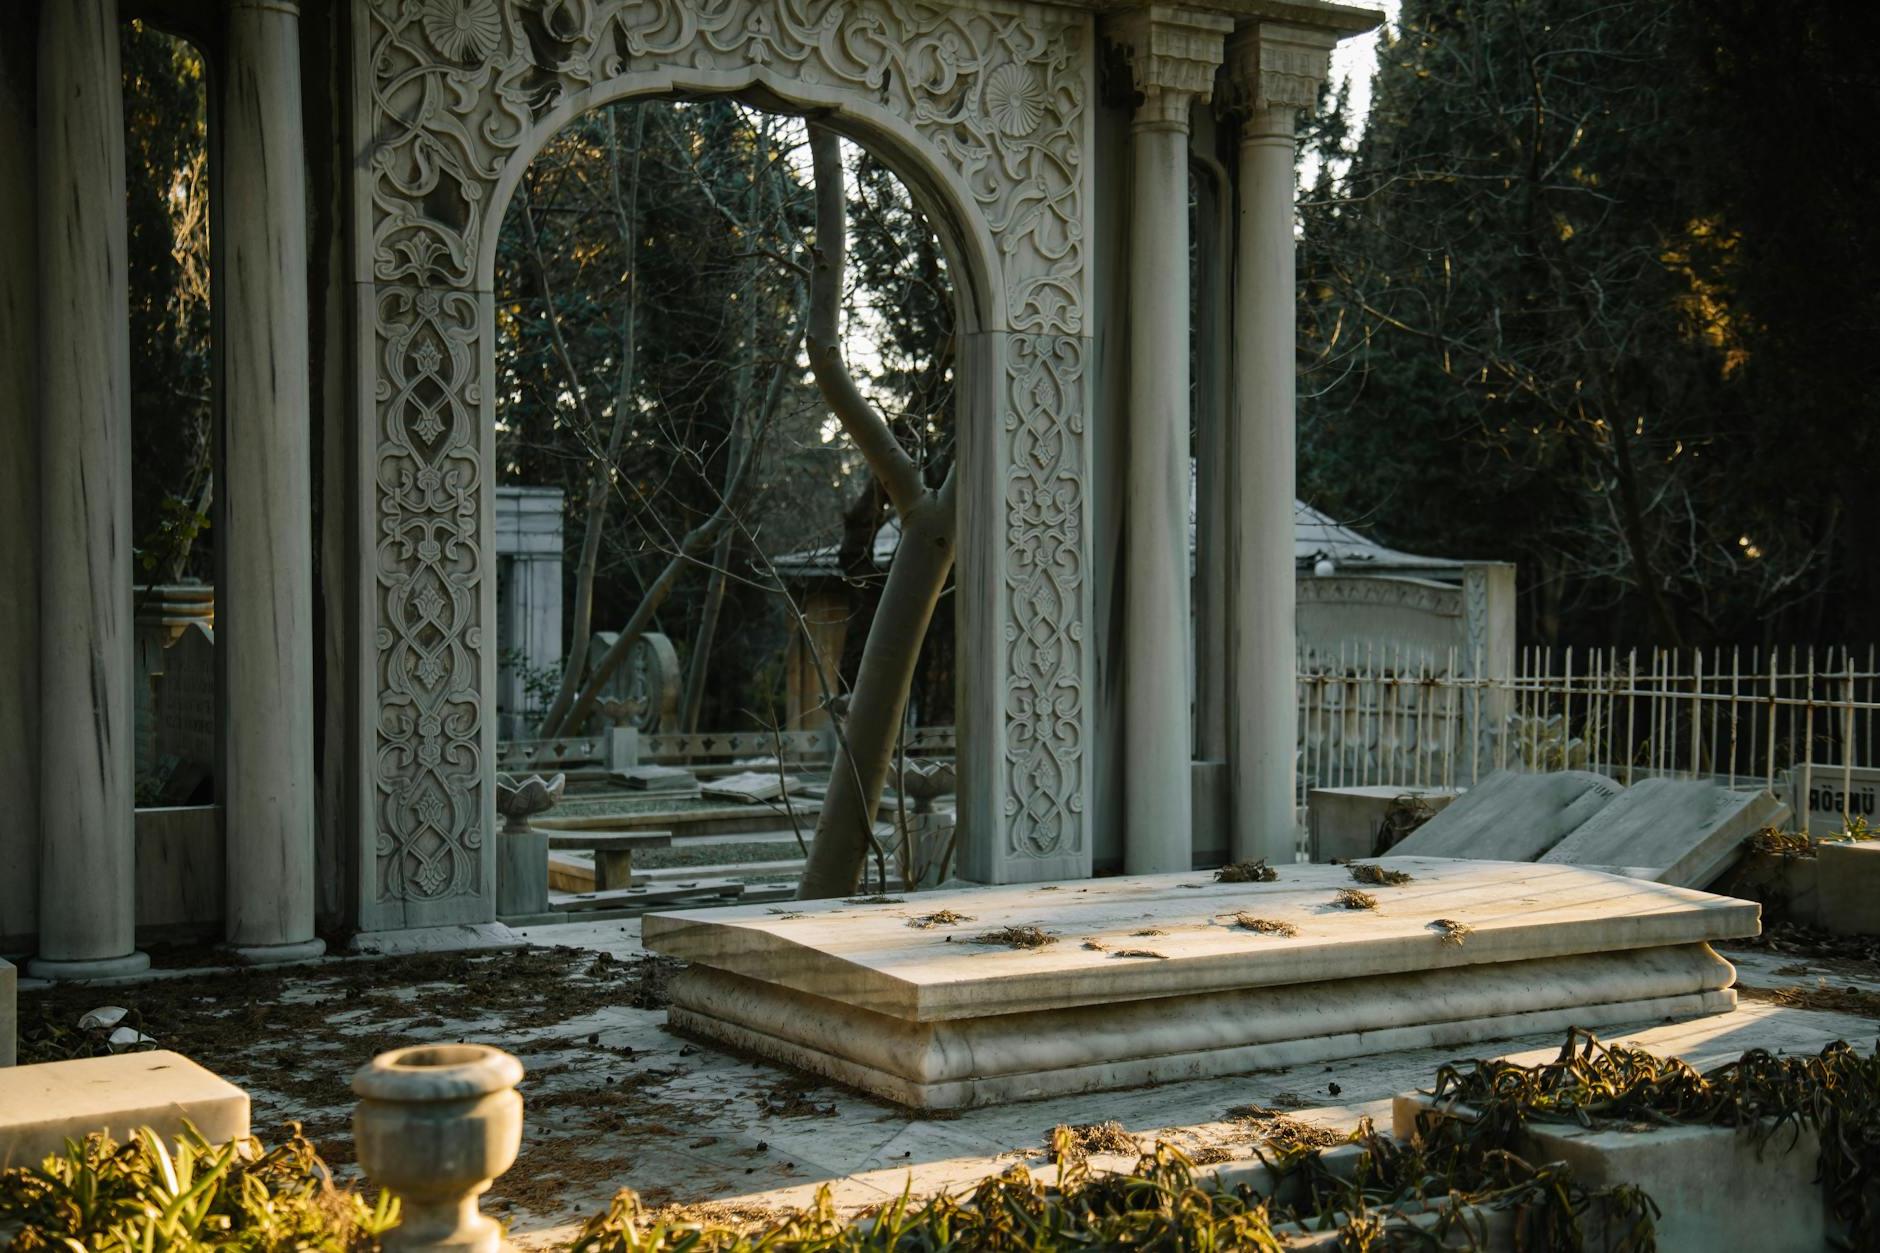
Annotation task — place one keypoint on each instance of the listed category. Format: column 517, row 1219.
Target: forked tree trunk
column 867, row 737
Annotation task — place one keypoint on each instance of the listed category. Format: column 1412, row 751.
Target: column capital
column 1274, row 69
column 1173, row 53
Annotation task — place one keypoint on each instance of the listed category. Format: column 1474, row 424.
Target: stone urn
column 521, row 850
column 519, row 800
column 435, row 1125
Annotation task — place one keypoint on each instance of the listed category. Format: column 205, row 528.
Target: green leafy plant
column 144, row 1196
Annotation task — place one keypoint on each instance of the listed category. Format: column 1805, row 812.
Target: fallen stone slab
column 664, row 780
column 751, row 787
column 44, row 1105
column 653, row 894
column 956, row 998
column 1717, row 1189
column 1682, row 831
column 1510, row 816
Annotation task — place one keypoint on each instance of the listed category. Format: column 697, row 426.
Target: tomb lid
column 875, row 956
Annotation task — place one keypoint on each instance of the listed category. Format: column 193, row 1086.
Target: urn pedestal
column 436, row 1124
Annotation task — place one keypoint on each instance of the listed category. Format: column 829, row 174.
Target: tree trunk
column 866, row 738
column 844, row 830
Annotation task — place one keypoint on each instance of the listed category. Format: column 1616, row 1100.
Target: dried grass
column 1016, row 937
column 1351, row 898
column 938, row 918
column 1265, row 926
column 1377, row 876
column 1246, row 872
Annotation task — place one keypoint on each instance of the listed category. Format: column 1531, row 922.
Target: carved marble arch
column 982, row 108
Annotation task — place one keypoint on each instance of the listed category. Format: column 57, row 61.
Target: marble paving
column 985, row 995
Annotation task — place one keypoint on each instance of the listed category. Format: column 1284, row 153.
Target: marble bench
column 1153, row 979
column 612, row 850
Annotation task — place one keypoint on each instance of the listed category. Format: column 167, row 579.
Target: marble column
column 1273, row 72
column 1173, row 54
column 87, row 865
column 265, row 592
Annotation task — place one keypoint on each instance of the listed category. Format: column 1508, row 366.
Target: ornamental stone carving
column 1271, row 66
column 452, row 98
column 1173, row 54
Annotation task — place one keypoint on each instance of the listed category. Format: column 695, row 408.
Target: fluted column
column 265, row 592
column 1273, row 72
column 87, row 869
column 1173, row 54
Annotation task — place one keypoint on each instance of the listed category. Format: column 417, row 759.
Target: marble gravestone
column 1511, row 816
column 1682, row 831
column 1156, row 978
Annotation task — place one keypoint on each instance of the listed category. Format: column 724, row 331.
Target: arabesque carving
column 451, row 94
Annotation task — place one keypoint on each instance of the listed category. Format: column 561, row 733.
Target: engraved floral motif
column 1014, row 100
column 463, row 30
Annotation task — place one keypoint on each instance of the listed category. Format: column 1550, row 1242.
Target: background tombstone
column 1512, row 817
column 184, row 712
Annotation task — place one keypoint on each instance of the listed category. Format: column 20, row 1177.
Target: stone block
column 1149, row 979
column 750, row 787
column 1683, row 831
column 1717, row 1192
column 181, row 871
column 1512, row 817
column 1346, row 822
column 521, row 873
column 42, row 1106
column 1848, row 887
column 9, row 1013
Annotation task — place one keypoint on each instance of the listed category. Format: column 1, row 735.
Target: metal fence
column 1739, row 716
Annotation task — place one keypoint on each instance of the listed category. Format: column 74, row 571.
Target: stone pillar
column 1173, row 54
column 265, row 613
column 1273, row 72
column 87, row 865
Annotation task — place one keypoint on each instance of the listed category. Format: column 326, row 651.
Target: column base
column 272, row 954
column 72, row 970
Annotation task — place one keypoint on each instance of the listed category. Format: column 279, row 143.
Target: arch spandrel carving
column 988, row 102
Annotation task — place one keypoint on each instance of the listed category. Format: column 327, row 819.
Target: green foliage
column 166, row 137
column 145, row 1197
column 1546, row 302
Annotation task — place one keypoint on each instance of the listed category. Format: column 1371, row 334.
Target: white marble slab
column 1510, row 816
column 867, row 956
column 1003, row 1057
column 1687, row 831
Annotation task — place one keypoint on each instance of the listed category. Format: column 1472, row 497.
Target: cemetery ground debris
column 1246, row 872
column 1016, row 937
column 939, row 918
column 1265, row 926
column 1374, row 875
column 1352, row 898
column 1451, row 931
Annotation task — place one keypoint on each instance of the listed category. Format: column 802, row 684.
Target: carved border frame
column 984, row 108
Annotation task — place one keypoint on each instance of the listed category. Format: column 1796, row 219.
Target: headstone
column 1682, row 831
column 185, row 717
column 750, row 787
column 1834, row 796
column 1512, row 817
column 43, row 1106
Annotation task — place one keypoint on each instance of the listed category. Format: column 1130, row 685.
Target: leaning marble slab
column 1511, row 816
column 1686, row 831
column 1151, row 978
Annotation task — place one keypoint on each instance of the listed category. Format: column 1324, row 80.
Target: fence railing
column 1741, row 716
